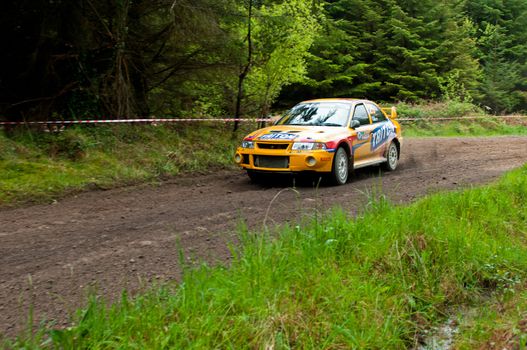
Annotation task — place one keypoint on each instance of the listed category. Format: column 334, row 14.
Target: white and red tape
column 223, row 120
column 141, row 120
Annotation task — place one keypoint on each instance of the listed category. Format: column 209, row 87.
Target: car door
column 382, row 131
column 361, row 143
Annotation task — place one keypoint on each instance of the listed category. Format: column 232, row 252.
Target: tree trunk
column 245, row 70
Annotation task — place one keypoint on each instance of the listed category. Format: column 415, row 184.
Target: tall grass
column 497, row 323
column 438, row 109
column 39, row 166
column 374, row 282
column 488, row 126
column 425, row 125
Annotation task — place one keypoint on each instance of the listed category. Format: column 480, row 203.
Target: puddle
column 442, row 337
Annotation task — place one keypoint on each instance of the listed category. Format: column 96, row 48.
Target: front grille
column 245, row 159
column 272, row 145
column 276, row 162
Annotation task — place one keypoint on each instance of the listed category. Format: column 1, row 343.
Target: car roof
column 342, row 100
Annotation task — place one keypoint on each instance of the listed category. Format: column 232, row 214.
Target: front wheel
column 392, row 157
column 340, row 169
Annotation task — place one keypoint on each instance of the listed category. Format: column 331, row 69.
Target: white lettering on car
column 278, row 136
column 382, row 134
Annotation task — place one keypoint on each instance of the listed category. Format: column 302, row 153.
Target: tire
column 340, row 168
column 392, row 157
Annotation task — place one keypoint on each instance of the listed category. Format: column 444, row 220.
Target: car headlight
column 247, row 144
column 308, row 146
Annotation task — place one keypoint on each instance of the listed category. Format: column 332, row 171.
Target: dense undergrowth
column 424, row 124
column 488, row 126
column 39, row 166
column 374, row 282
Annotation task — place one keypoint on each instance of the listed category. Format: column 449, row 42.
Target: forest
column 193, row 58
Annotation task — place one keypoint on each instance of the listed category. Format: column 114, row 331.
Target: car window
column 361, row 115
column 376, row 114
column 317, row 114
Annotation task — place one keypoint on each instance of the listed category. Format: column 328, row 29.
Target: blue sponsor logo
column 361, row 135
column 382, row 134
column 278, row 136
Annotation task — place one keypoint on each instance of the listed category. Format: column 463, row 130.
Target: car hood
column 296, row 133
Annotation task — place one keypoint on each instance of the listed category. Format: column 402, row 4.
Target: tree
column 284, row 33
column 502, row 44
column 391, row 50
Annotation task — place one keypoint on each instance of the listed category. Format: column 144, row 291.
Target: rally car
column 326, row 136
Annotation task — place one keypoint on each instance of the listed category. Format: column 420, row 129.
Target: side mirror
column 354, row 123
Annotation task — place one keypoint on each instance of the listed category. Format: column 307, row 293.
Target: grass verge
column 481, row 127
column 428, row 111
column 40, row 166
column 374, row 282
column 500, row 322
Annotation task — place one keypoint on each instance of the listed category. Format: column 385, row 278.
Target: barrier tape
column 463, row 118
column 143, row 120
column 224, row 120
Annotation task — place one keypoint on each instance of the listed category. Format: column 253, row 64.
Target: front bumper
column 284, row 160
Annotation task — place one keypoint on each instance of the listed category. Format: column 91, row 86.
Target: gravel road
column 52, row 255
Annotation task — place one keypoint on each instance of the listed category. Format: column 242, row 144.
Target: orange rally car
column 327, row 136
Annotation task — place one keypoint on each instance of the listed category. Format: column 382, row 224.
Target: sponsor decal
column 278, row 136
column 361, row 135
column 382, row 134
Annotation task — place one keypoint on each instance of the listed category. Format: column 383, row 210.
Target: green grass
column 480, row 127
column 40, row 166
column 426, row 112
column 438, row 109
column 373, row 282
column 497, row 323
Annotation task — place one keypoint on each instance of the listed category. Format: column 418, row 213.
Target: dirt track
column 110, row 240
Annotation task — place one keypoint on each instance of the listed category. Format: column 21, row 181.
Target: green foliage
column 499, row 322
column 501, row 76
column 428, row 111
column 446, row 109
column 480, row 127
column 454, row 90
column 502, row 44
column 377, row 281
column 283, row 34
column 392, row 50
column 39, row 166
column 124, row 58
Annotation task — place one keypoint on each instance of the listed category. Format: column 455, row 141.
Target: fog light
column 238, row 158
column 311, row 161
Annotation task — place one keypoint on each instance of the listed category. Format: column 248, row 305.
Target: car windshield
column 317, row 114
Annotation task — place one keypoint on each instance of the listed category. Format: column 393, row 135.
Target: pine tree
column 392, row 50
column 502, row 44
